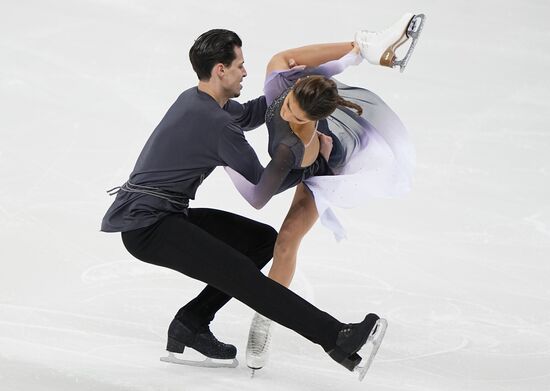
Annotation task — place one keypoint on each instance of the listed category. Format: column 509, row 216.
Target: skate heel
column 174, row 345
column 345, row 359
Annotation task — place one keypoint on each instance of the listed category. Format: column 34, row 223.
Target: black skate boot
column 351, row 339
column 203, row 341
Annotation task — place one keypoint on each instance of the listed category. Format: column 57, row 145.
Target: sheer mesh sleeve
column 271, row 180
column 279, row 81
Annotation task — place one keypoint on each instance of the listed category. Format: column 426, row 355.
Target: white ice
column 459, row 267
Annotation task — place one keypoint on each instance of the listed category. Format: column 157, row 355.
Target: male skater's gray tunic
column 195, row 136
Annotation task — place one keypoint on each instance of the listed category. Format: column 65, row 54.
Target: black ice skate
column 204, row 342
column 353, row 337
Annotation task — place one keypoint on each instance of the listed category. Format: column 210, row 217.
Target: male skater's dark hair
column 213, row 47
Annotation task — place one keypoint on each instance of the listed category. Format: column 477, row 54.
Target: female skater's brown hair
column 318, row 97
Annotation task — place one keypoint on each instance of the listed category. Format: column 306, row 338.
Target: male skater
column 202, row 130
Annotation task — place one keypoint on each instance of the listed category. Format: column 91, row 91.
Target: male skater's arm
column 249, row 115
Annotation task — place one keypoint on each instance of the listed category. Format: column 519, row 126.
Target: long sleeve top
column 195, row 136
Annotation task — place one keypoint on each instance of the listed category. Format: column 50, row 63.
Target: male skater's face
column 234, row 74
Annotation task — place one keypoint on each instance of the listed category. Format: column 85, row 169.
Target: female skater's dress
column 372, row 155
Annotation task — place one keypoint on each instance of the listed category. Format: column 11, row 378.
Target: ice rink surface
column 460, row 267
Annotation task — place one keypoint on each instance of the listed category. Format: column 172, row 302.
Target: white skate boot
column 259, row 338
column 379, row 48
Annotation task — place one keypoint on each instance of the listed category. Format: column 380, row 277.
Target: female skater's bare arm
column 282, row 74
column 309, row 56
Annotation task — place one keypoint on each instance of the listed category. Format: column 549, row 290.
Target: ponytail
column 351, row 105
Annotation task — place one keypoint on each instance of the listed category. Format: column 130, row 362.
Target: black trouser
column 227, row 251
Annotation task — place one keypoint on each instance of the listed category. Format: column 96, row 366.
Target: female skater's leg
column 299, row 220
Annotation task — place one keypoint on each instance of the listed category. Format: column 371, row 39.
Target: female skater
column 338, row 144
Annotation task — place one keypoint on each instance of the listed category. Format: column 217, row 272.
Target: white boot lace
column 259, row 339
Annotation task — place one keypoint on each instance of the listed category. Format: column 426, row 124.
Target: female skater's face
column 292, row 112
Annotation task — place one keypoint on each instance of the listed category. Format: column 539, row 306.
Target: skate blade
column 413, row 31
column 206, row 363
column 376, row 340
column 253, row 370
